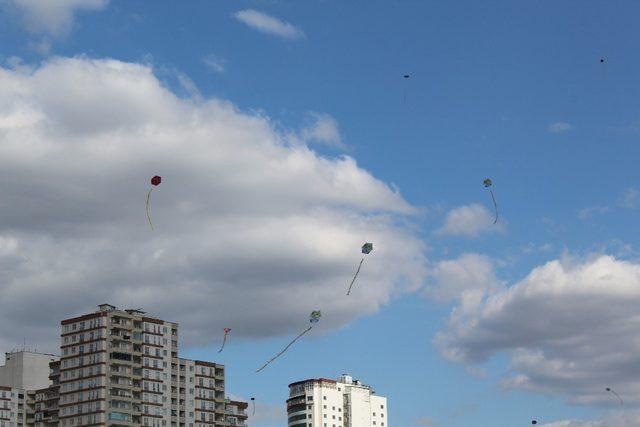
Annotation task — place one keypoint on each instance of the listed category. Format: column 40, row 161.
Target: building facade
column 13, row 408
column 236, row 413
column 121, row 368
column 328, row 403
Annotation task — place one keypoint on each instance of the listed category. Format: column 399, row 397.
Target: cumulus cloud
column 569, row 328
column 469, row 221
column 559, row 127
column 250, row 231
column 53, row 17
column 469, row 277
column 616, row 419
column 323, row 129
column 268, row 24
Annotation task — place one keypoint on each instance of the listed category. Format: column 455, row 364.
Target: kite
column 155, row 181
column 253, row 400
column 224, row 340
column 534, row 422
column 487, row 184
column 366, row 249
column 609, row 389
column 314, row 317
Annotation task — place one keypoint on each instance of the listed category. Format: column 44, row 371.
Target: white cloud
column 468, row 278
column 630, row 418
column 569, row 328
column 323, row 129
column 559, row 127
column 588, row 213
column 469, row 221
column 629, row 198
column 215, row 63
column 250, row 232
column 53, row 17
column 268, row 24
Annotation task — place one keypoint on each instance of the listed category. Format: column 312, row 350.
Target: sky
column 286, row 136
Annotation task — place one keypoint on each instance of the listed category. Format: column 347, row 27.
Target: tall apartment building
column 327, row 403
column 121, row 368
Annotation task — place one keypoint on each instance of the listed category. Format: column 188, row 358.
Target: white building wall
column 26, row 370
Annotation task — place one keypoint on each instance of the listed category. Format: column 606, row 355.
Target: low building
column 329, row 403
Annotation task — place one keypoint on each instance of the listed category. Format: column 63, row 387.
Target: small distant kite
column 366, row 249
column 224, row 339
column 155, row 181
column 314, row 317
column 253, row 400
column 610, row 390
column 487, row 184
column 534, row 422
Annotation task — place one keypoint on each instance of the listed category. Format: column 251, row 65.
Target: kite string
column 495, row 205
column 356, row 275
column 285, row 349
column 148, row 215
column 224, row 340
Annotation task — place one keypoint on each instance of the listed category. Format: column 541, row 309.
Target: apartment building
column 328, row 403
column 121, row 368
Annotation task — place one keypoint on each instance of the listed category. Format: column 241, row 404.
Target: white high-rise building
column 328, row 403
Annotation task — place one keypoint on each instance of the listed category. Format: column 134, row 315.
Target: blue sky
column 515, row 91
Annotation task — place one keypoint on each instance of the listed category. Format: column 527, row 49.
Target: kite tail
column 148, row 215
column 495, row 205
column 254, row 407
column 285, row 349
column 224, row 340
column 618, row 396
column 356, row 275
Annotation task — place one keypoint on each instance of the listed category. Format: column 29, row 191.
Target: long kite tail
column 254, row 407
column 355, row 275
column 495, row 205
column 224, row 340
column 148, row 215
column 618, row 396
column 285, row 349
